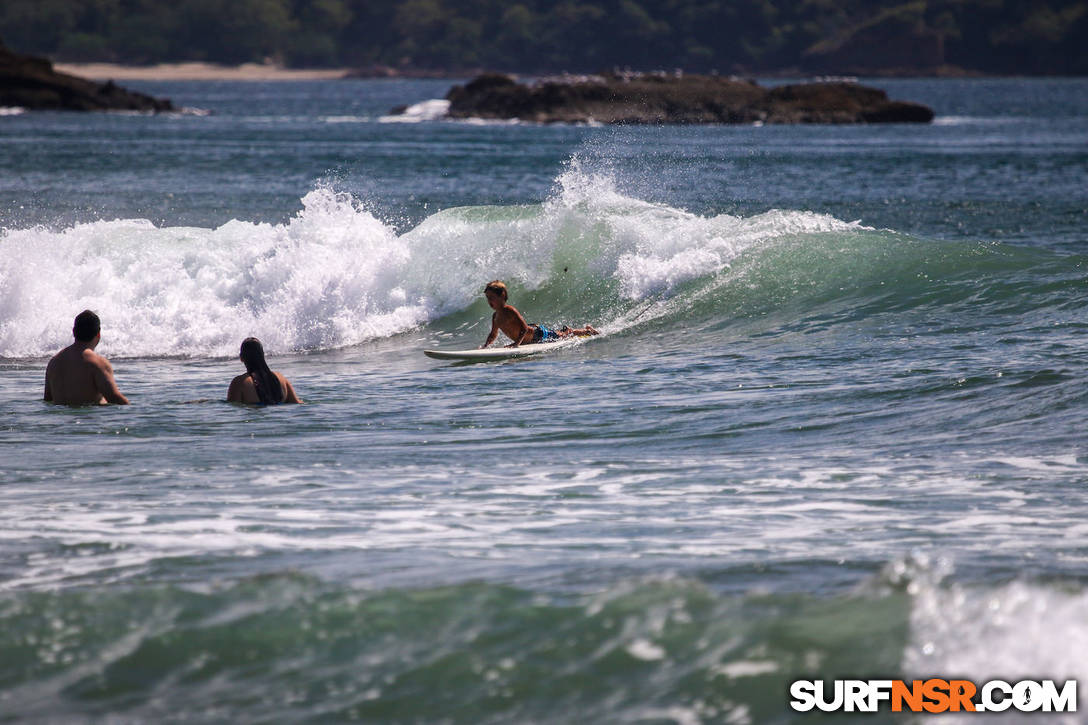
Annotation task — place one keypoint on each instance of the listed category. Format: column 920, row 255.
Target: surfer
column 509, row 320
column 259, row 384
column 77, row 375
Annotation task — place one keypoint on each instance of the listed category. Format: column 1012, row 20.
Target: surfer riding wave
column 508, row 320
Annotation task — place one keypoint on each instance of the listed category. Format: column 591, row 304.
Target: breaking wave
column 336, row 275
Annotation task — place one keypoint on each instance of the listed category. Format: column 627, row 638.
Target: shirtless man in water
column 509, row 320
column 77, row 375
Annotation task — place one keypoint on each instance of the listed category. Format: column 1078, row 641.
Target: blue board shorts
column 543, row 334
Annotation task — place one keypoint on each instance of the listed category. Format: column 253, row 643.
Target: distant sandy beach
column 195, row 72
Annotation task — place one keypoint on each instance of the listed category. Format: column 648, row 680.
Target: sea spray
column 658, row 246
column 332, row 276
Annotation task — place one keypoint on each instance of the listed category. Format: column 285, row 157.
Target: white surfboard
column 500, row 353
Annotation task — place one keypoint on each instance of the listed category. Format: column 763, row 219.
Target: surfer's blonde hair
column 498, row 287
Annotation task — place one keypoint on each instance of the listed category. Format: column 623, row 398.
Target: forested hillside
column 835, row 36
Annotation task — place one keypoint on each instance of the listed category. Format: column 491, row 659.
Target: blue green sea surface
column 834, row 426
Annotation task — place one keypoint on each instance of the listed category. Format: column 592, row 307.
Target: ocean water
column 834, row 426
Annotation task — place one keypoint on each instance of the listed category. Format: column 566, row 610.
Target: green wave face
column 292, row 648
column 628, row 265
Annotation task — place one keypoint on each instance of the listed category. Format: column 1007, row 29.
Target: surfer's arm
column 494, row 330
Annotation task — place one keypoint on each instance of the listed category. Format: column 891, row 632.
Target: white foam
column 346, row 119
column 754, row 668
column 1018, row 631
column 655, row 247
column 974, row 120
column 333, row 276
column 437, row 109
column 645, row 650
column 431, row 110
column 1049, row 466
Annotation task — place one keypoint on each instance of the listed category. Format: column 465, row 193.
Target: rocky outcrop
column 676, row 99
column 31, row 83
column 839, row 102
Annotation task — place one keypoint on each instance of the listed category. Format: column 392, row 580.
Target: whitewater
column 833, row 427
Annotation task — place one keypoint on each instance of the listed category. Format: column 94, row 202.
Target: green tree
column 233, row 32
column 321, row 24
column 37, row 26
column 516, row 44
column 1019, row 36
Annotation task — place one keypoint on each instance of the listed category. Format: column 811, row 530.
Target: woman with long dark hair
column 260, row 384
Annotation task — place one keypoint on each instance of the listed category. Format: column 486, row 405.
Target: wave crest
column 336, row 275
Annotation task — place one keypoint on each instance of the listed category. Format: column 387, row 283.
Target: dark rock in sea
column 840, row 102
column 31, row 83
column 640, row 98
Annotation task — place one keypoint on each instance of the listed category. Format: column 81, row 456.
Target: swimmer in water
column 259, row 384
